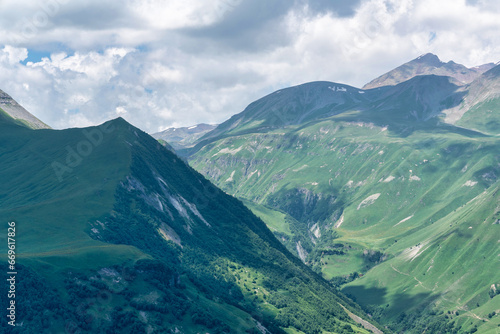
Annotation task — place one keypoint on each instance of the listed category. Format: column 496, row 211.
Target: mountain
column 429, row 64
column 378, row 192
column 479, row 108
column 292, row 106
column 14, row 110
column 116, row 234
column 184, row 137
column 422, row 99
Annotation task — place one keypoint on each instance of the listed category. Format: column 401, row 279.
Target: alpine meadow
column 390, row 192
column 116, row 234
column 250, row 167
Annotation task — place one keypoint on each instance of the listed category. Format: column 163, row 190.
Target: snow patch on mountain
column 470, row 183
column 403, row 220
column 228, row 151
column 230, row 178
column 300, row 168
column 339, row 222
column 389, row 179
column 368, row 201
column 252, row 173
column 413, row 252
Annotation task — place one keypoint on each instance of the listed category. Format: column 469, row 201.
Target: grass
column 483, row 117
column 275, row 220
column 35, row 193
column 339, row 265
column 89, row 228
column 437, row 185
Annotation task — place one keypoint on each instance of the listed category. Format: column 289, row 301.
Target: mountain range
column 428, row 64
column 114, row 233
column 184, row 137
column 390, row 192
column 320, row 208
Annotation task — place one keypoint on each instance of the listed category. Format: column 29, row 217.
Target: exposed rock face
column 16, row 111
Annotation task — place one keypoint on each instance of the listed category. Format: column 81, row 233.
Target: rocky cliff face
column 16, row 111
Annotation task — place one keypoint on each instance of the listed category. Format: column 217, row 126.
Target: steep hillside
column 115, row 234
column 13, row 109
column 412, row 104
column 292, row 106
column 383, row 190
column 480, row 105
column 428, row 64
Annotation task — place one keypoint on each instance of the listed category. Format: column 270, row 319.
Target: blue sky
column 176, row 63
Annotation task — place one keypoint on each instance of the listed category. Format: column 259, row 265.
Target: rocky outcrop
column 17, row 112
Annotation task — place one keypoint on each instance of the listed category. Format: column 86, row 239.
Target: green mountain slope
column 291, row 106
column 384, row 190
column 479, row 109
column 116, row 234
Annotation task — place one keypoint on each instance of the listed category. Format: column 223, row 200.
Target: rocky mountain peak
column 428, row 64
column 17, row 112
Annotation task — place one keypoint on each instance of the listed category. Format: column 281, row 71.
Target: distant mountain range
column 428, row 64
column 390, row 192
column 183, row 137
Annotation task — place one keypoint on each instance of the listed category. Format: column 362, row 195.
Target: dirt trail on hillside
column 416, row 279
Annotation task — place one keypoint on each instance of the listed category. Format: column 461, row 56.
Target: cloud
column 339, row 7
column 13, row 55
column 161, row 64
column 250, row 26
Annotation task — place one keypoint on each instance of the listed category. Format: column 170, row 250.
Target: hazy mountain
column 429, row 64
column 403, row 107
column 184, row 137
column 480, row 105
column 292, row 106
column 9, row 106
column 376, row 192
column 116, row 234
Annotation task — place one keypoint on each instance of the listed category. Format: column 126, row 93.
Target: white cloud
column 160, row 14
column 13, row 55
column 94, row 66
column 160, row 63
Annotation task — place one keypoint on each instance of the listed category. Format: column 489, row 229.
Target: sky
column 160, row 63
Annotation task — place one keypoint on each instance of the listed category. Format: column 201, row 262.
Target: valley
column 320, row 208
column 375, row 191
column 130, row 239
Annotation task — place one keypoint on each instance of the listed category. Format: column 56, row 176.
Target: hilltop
column 428, row 64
